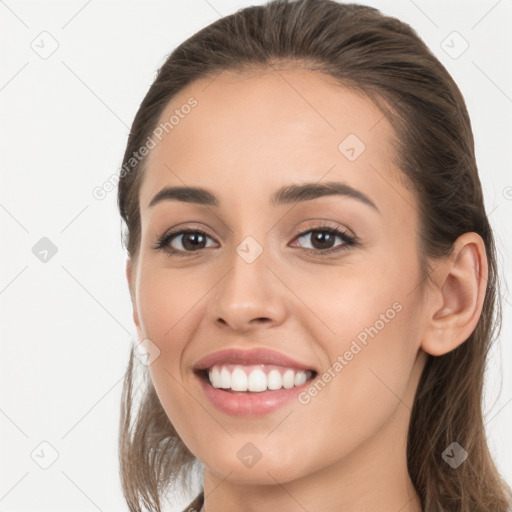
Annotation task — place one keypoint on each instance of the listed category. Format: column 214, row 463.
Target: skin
column 250, row 134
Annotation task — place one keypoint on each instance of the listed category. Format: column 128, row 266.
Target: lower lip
column 247, row 403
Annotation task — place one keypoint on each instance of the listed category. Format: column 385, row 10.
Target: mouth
column 254, row 379
column 252, row 390
column 251, row 382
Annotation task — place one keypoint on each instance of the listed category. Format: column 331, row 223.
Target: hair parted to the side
column 384, row 59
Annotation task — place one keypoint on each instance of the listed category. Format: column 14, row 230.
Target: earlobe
column 460, row 285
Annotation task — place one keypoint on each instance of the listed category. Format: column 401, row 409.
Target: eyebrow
column 285, row 195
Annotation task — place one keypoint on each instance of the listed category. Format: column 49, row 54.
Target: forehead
column 252, row 132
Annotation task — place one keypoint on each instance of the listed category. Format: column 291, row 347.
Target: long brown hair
column 384, row 59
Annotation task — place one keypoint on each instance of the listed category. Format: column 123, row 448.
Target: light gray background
column 66, row 324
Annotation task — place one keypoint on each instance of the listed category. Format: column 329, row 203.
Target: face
column 329, row 280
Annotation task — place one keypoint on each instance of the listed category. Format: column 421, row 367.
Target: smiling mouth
column 277, row 385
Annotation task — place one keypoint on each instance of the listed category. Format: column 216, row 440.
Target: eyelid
column 319, row 224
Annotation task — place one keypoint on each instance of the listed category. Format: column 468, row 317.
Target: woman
column 312, row 272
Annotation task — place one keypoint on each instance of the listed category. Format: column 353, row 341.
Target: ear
column 457, row 296
column 131, row 285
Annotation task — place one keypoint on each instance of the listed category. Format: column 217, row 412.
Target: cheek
column 167, row 309
column 345, row 299
column 365, row 319
column 171, row 307
column 166, row 302
column 366, row 384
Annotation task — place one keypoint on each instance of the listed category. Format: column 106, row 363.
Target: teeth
column 256, row 380
column 225, row 378
column 238, row 380
column 274, row 380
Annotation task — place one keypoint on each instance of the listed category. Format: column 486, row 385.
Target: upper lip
column 247, row 357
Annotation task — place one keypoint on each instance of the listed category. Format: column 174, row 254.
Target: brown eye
column 191, row 241
column 184, row 241
column 324, row 239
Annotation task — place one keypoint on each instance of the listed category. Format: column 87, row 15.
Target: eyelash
column 349, row 241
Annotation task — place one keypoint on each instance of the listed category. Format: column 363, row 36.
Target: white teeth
column 288, row 379
column 225, row 379
column 274, row 380
column 300, row 378
column 215, row 377
column 238, row 380
column 256, row 380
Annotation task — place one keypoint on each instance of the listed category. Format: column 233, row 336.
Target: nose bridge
column 249, row 293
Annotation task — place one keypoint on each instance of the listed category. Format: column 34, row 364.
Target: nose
column 248, row 296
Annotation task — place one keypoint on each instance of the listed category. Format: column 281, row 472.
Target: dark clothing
column 196, row 505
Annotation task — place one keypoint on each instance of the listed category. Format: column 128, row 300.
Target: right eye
column 182, row 242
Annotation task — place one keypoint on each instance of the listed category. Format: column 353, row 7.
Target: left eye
column 323, row 239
